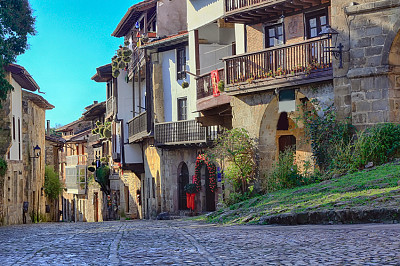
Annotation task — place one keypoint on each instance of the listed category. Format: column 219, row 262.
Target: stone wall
column 366, row 89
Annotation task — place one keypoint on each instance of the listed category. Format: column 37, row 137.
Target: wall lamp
column 36, row 152
column 336, row 51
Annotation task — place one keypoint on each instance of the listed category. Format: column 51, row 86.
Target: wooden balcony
column 137, row 57
column 137, row 127
column 288, row 65
column 255, row 11
column 205, row 98
column 187, row 132
column 110, row 106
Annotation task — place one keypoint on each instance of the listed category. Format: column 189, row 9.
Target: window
column 182, row 109
column 181, row 63
column 316, row 22
column 274, row 35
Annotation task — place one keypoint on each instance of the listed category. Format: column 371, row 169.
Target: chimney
column 48, row 127
column 95, row 102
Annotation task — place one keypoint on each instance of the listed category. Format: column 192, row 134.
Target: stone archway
column 183, row 179
column 278, row 131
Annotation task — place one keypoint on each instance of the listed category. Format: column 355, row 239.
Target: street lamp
column 36, row 152
column 336, row 51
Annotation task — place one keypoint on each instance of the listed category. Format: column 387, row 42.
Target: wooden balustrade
column 303, row 58
column 183, row 132
column 137, row 126
column 231, row 5
column 204, row 85
column 110, row 106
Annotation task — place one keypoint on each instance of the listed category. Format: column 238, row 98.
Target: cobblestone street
column 191, row 243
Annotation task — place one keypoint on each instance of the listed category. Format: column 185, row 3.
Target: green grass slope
column 373, row 188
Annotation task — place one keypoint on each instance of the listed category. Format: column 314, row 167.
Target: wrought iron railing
column 183, row 132
column 302, row 58
column 204, row 85
column 137, row 126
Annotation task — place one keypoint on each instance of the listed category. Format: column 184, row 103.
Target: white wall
column 132, row 152
column 173, row 87
column 202, row 12
column 211, row 55
column 16, row 112
column 240, row 38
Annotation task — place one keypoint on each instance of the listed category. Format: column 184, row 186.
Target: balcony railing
column 301, row 59
column 76, row 179
column 110, row 106
column 74, row 160
column 183, row 132
column 231, row 5
column 137, row 56
column 137, row 127
column 204, row 85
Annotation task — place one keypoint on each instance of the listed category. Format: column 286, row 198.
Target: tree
column 52, row 184
column 240, row 152
column 16, row 23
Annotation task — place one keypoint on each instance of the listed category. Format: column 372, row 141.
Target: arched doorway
column 183, row 180
column 208, row 196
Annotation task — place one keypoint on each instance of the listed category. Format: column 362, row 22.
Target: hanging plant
column 104, row 130
column 191, row 188
column 212, row 170
column 3, row 167
column 121, row 59
column 221, row 86
column 185, row 84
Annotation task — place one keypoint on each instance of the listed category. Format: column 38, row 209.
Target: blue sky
column 73, row 38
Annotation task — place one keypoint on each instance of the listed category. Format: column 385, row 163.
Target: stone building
column 23, row 137
column 367, row 87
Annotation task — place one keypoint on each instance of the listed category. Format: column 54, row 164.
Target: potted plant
column 185, row 84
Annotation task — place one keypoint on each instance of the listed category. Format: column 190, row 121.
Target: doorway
column 183, row 180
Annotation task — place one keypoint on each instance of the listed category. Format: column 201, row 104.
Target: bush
column 3, row 167
column 235, row 197
column 52, row 184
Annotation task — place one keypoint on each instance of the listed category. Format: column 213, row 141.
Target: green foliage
column 3, row 167
column 191, row 188
column 103, row 177
column 235, row 198
column 16, row 23
column 221, row 86
column 91, row 169
column 104, row 130
column 121, row 60
column 239, row 150
column 185, row 84
column 326, row 132
column 52, row 184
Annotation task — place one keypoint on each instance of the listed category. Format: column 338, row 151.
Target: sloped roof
column 22, row 77
column 37, row 99
column 104, row 73
column 168, row 41
column 94, row 111
column 131, row 16
column 56, row 139
column 69, row 126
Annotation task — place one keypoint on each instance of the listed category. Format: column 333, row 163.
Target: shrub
column 52, row 184
column 235, row 197
column 3, row 167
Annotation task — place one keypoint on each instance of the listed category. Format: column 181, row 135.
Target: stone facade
column 366, row 89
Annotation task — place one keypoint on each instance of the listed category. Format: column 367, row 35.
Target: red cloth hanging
column 214, row 82
column 188, row 202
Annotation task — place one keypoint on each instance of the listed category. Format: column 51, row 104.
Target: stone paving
column 191, row 243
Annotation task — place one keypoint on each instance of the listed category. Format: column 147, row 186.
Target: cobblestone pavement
column 191, row 243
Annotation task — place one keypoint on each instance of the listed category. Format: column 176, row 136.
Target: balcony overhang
column 211, row 102
column 255, row 11
column 264, row 85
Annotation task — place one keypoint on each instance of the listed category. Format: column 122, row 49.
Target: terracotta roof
column 104, row 73
column 131, row 16
column 53, row 138
column 94, row 111
column 167, row 41
column 77, row 137
column 22, row 77
column 37, row 99
column 68, row 127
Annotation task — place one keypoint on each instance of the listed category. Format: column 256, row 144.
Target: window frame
column 317, row 14
column 181, row 63
column 182, row 116
column 274, row 26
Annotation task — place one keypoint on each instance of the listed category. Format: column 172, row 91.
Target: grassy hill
column 374, row 188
